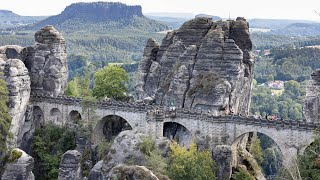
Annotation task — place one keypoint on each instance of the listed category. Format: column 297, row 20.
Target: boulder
column 96, row 171
column 203, row 65
column 20, row 168
column 47, row 62
column 70, row 167
column 125, row 150
column 133, row 172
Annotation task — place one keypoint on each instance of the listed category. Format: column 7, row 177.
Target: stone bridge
column 292, row 137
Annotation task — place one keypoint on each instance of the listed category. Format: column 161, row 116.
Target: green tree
column 242, row 175
column 256, row 149
column 79, row 86
column 111, row 81
column 72, row 89
column 190, row 164
column 48, row 145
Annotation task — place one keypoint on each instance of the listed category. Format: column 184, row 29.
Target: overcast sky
column 277, row 9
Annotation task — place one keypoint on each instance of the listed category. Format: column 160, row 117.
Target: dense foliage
column 48, row 145
column 309, row 162
column 190, row 164
column 288, row 64
column 79, row 86
column 287, row 105
column 242, row 175
column 111, row 81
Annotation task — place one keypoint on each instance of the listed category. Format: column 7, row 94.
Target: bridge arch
column 38, row 116
column 55, row 116
column 75, row 116
column 178, row 132
column 109, row 127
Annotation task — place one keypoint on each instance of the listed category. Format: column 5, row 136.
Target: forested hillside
column 99, row 32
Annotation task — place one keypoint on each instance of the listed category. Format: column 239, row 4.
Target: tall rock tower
column 47, row 62
column 312, row 101
column 40, row 69
column 203, row 65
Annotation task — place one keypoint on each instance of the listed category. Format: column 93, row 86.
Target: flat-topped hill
column 98, row 16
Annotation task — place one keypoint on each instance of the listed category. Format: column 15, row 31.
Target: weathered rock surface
column 125, row 150
column 18, row 83
column 19, row 169
column 96, row 171
column 131, row 172
column 70, row 167
column 47, row 62
column 222, row 156
column 205, row 64
column 311, row 107
column 10, row 52
column 243, row 159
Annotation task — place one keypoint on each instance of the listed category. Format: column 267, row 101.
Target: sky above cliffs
column 275, row 9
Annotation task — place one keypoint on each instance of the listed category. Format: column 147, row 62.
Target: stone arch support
column 109, row 127
column 55, row 116
column 291, row 142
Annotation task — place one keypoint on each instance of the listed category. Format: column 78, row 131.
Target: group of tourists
column 272, row 117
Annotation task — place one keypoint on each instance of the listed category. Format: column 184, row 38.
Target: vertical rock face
column 205, row 64
column 19, row 169
column 18, row 83
column 222, row 155
column 70, row 167
column 312, row 102
column 47, row 62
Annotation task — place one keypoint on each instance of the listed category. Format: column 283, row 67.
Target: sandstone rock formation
column 131, row 172
column 47, row 62
column 40, row 69
column 243, row 159
column 18, row 82
column 70, row 167
column 311, row 108
column 96, row 171
column 222, row 156
column 20, row 168
column 205, row 64
column 125, row 150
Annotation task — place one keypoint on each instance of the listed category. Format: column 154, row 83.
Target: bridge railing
column 166, row 112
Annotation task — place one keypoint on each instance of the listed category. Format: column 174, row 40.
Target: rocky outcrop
column 222, row 156
column 70, row 167
column 39, row 69
column 20, row 168
column 205, row 64
column 18, row 83
column 131, row 172
column 10, row 52
column 242, row 157
column 125, row 150
column 96, row 171
column 47, row 62
column 311, row 108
